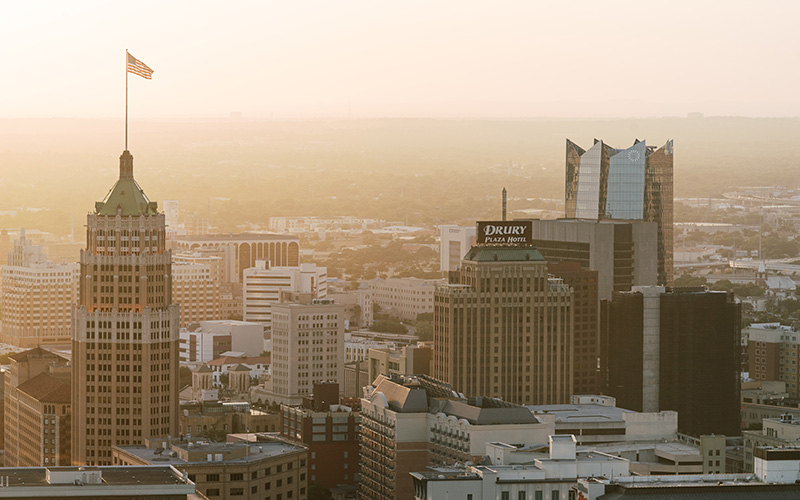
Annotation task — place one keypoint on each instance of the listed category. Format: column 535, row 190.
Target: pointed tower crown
column 126, row 198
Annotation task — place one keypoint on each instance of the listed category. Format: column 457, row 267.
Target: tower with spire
column 124, row 328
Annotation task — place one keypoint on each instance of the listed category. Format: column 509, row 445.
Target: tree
column 425, row 330
column 317, row 492
column 388, row 325
column 184, row 377
column 688, row 280
column 215, row 435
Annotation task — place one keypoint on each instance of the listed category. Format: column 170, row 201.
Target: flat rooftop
column 673, row 447
column 111, row 476
column 238, row 237
column 572, row 413
column 258, row 451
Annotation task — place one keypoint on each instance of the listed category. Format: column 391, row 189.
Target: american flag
column 137, row 67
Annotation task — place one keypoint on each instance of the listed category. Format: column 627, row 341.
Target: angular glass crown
column 126, row 198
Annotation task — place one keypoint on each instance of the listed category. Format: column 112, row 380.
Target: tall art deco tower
column 124, row 328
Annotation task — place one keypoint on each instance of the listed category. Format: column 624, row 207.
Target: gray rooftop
column 111, row 475
column 258, row 451
column 569, row 413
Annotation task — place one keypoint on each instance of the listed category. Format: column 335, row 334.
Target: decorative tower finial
column 126, row 165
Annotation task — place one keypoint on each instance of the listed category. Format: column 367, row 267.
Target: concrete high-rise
column 629, row 184
column 503, row 328
column 264, row 284
column 125, row 337
column 454, row 242
column 664, row 349
column 307, row 347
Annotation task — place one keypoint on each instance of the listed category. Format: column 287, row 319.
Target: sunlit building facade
column 246, row 249
column 627, row 184
column 37, row 297
column 125, row 334
column 504, row 328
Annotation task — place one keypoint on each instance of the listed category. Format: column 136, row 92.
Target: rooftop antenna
column 505, row 202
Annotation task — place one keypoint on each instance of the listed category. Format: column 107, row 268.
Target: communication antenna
column 505, row 202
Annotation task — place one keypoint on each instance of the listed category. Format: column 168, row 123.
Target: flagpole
column 126, row 99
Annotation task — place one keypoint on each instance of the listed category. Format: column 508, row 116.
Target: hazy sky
column 402, row 58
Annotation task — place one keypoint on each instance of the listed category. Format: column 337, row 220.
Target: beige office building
column 307, row 347
column 197, row 292
column 504, row 328
column 263, row 286
column 404, row 298
column 37, row 297
column 125, row 328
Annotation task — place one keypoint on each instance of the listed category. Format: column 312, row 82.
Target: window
column 504, row 495
column 212, row 492
column 521, row 495
column 212, row 477
column 237, row 477
column 254, row 489
column 554, row 495
column 537, row 495
column 237, row 492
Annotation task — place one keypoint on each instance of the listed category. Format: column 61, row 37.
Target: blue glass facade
column 588, row 195
column 626, row 183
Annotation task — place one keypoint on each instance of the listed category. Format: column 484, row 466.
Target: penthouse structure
column 628, row 184
column 37, row 297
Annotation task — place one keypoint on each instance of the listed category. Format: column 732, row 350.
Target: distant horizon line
column 337, row 117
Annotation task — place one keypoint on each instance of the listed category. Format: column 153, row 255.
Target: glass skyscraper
column 624, row 184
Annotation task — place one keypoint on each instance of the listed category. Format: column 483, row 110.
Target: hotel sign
column 505, row 232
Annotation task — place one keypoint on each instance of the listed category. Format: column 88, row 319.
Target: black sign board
column 505, row 232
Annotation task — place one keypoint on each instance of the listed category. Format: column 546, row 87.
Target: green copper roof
column 503, row 254
column 126, row 198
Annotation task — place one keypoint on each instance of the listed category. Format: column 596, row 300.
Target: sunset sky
column 410, row 58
